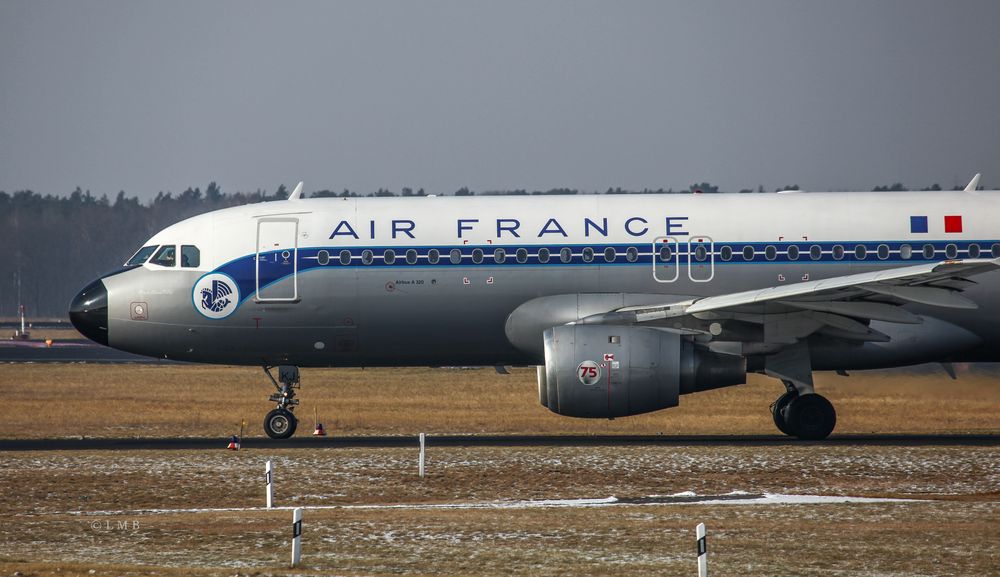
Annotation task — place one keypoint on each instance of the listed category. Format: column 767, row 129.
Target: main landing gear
column 281, row 422
column 800, row 412
column 807, row 416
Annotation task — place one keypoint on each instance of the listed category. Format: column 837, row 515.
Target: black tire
column 779, row 410
column 811, row 417
column 280, row 424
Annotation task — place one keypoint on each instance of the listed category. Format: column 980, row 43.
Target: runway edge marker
column 268, row 481
column 423, row 453
column 296, row 536
column 702, row 550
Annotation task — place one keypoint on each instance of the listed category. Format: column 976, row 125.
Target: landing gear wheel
column 811, row 417
column 280, row 424
column 779, row 410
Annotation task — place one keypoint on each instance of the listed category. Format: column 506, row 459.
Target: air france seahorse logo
column 216, row 296
column 214, row 299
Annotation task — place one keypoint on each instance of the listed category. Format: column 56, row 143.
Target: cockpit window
column 166, row 256
column 141, row 256
column 190, row 256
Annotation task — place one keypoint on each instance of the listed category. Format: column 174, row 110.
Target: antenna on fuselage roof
column 973, row 184
column 297, row 193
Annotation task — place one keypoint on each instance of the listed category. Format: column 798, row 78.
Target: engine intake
column 605, row 371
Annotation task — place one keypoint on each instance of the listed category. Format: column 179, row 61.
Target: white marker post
column 296, row 536
column 423, row 440
column 702, row 551
column 268, row 481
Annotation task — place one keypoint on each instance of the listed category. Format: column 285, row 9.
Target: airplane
column 622, row 302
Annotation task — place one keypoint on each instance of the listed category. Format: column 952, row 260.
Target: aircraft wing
column 837, row 303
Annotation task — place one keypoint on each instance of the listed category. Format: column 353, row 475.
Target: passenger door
column 277, row 260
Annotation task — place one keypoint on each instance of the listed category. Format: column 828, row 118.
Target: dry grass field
column 484, row 511
column 41, row 333
column 480, row 511
column 53, row 400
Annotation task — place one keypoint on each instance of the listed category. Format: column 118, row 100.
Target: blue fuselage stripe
column 274, row 266
column 678, row 253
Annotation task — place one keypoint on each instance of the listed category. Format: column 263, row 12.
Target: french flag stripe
column 918, row 223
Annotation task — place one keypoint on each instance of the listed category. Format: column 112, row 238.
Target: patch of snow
column 683, row 498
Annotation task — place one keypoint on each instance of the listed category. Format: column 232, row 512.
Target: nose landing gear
column 281, row 422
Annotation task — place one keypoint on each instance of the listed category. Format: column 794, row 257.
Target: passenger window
column 543, row 255
column 389, row 256
column 793, row 252
column 565, row 254
column 433, row 256
column 973, row 250
column 770, row 252
column 838, row 252
column 477, row 256
column 883, row 251
column 141, row 256
column 928, row 251
column 522, row 255
column 499, row 256
column 411, row 256
column 367, row 256
column 455, row 256
column 609, row 254
column 588, row 254
column 815, row 252
column 748, row 252
column 323, row 257
column 345, row 257
column 631, row 254
column 726, row 253
column 665, row 253
column 995, row 251
column 860, row 251
column 905, row 251
column 951, row 251
column 166, row 256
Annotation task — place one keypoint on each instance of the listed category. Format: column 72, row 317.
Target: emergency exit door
column 666, row 259
column 701, row 258
column 277, row 260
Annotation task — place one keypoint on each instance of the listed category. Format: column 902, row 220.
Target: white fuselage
column 433, row 280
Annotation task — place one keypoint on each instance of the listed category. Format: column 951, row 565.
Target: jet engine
column 606, row 371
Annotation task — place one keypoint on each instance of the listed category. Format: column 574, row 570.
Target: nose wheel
column 281, row 422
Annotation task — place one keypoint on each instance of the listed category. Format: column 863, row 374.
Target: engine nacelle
column 603, row 371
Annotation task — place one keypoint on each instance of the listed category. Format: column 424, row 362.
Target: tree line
column 55, row 244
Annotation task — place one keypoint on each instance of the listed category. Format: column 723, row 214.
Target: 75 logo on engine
column 589, row 372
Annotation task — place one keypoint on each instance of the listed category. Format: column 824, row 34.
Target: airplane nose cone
column 89, row 312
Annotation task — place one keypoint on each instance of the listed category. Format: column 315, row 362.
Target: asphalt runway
column 308, row 442
column 68, row 351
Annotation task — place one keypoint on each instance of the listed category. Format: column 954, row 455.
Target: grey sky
column 149, row 96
